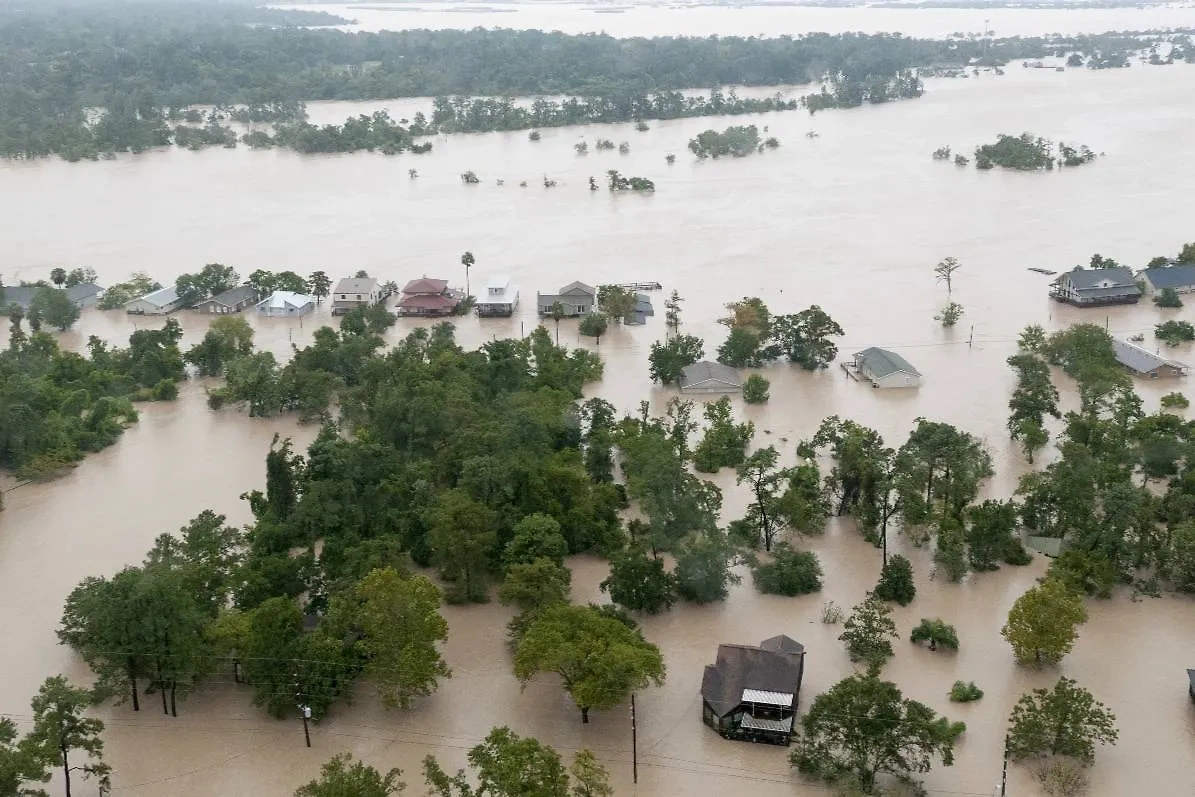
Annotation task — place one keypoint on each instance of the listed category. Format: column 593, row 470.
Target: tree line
column 176, row 55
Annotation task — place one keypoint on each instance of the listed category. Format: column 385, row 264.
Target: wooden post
column 971, row 337
column 634, row 744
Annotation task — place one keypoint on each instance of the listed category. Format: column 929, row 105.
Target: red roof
column 425, row 302
column 425, row 286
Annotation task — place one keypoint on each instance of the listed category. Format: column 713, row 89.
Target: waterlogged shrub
column 965, row 692
column 756, row 389
column 791, row 572
column 936, row 633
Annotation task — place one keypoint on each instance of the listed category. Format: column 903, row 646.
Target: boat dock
column 641, row 286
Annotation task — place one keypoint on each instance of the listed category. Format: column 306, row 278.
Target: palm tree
column 58, row 276
column 945, row 270
column 557, row 313
column 467, row 261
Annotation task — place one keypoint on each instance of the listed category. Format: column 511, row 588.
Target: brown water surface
column 852, row 220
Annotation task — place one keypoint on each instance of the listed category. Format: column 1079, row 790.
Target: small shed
column 710, row 377
column 286, row 303
column 230, row 301
column 160, row 302
column 886, row 369
column 1145, row 363
column 751, row 693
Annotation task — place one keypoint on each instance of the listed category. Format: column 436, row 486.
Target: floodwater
column 852, row 220
column 659, row 19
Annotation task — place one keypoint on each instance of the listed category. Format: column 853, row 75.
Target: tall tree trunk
column 132, row 673
column 161, row 686
column 66, row 769
column 584, row 716
column 173, row 689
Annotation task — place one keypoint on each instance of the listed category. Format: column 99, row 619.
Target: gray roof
column 742, row 667
column 783, row 644
column 1180, row 276
column 356, row 285
column 577, row 287
column 1088, row 279
column 234, row 296
column 643, row 304
column 84, row 290
column 1140, row 360
column 706, row 370
column 1191, row 675
column 161, row 297
column 20, row 294
column 881, row 362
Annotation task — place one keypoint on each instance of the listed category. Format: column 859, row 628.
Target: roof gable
column 706, row 371
column 356, row 285
column 234, row 296
column 741, row 668
column 425, row 285
column 1179, row 276
column 1086, row 279
column 83, row 290
column 882, row 362
column 577, row 289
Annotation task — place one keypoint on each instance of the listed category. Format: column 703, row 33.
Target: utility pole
column 634, row 744
column 971, row 337
column 1004, row 772
column 306, row 712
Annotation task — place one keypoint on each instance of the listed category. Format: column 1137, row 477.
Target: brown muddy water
column 852, row 220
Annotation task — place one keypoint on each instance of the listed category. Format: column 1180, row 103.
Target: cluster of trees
column 174, row 56
column 503, row 765
column 737, row 141
column 212, row 279
column 617, row 182
column 757, row 337
column 1028, row 153
column 118, row 295
column 1093, row 498
column 57, row 406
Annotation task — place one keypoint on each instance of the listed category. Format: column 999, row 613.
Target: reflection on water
column 852, row 220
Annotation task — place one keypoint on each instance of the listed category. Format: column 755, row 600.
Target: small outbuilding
column 885, row 368
column 354, row 292
column 710, row 377
column 84, row 294
column 501, row 298
column 160, row 302
column 230, row 301
column 1145, row 363
column 751, row 693
column 576, row 298
column 1095, row 287
column 286, row 303
column 1179, row 277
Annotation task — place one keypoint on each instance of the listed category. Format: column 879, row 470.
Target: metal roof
column 234, row 296
column 356, row 285
column 1179, row 276
column 282, row 299
column 161, row 297
column 766, row 698
column 706, row 371
column 759, row 724
column 881, row 362
column 83, row 290
column 1138, row 359
column 741, row 670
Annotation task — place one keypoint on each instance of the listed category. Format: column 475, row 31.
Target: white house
column 885, row 368
column 354, row 292
column 500, row 299
column 286, row 303
column 160, row 302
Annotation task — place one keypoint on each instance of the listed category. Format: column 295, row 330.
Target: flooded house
column 1095, row 287
column 353, row 292
column 230, row 301
column 576, row 298
column 501, row 298
column 428, row 297
column 286, row 303
column 163, row 301
column 751, row 693
column 883, row 368
column 709, row 377
column 1145, row 363
column 1179, row 277
column 83, row 295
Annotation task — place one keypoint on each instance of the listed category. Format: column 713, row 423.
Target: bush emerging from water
column 755, row 389
column 791, row 572
column 896, row 581
column 965, row 692
column 1175, row 332
column 936, row 633
column 1175, row 401
column 1168, row 297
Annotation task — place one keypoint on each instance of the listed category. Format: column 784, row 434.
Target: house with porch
column 160, row 302
column 354, row 292
column 751, row 693
column 884, row 368
column 230, row 301
column 1095, row 287
column 501, row 299
column 428, row 297
column 1145, row 363
column 576, row 298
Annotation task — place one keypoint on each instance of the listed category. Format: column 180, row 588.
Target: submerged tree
column 341, row 776
column 1041, row 624
column 60, row 729
column 1065, row 720
column 947, row 266
column 868, row 633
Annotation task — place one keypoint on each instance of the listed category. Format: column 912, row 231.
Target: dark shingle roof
column 742, row 667
column 1086, row 279
column 234, row 296
column 1182, row 276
